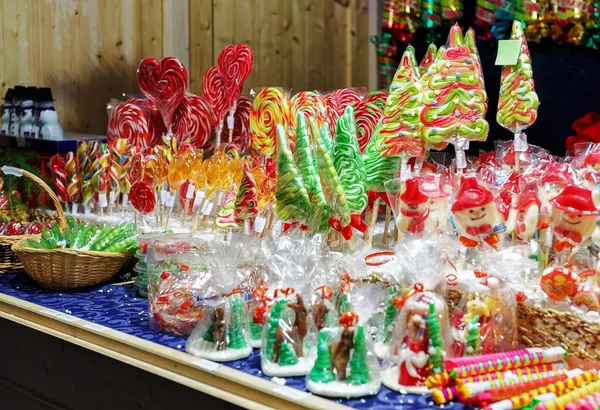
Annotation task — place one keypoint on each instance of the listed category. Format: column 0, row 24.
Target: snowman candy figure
column 509, row 158
column 414, row 209
column 475, row 214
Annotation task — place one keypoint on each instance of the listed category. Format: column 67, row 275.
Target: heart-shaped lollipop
column 213, row 89
column 164, row 82
column 241, row 130
column 235, row 63
column 156, row 124
column 128, row 121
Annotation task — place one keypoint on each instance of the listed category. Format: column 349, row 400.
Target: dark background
column 567, row 81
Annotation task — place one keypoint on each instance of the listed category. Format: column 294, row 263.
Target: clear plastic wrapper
column 346, row 365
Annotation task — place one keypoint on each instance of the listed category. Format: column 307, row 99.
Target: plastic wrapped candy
column 346, row 364
column 421, row 336
column 555, row 177
column 221, row 333
column 528, row 213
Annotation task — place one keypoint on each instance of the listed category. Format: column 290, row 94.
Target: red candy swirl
column 235, row 63
column 183, row 198
column 156, row 125
column 128, row 121
column 241, row 129
column 164, row 82
column 366, row 116
column 213, row 89
column 142, row 197
column 192, row 121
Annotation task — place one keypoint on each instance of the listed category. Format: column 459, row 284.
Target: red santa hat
column 509, row 157
column 557, row 174
column 527, row 198
column 471, row 195
column 576, row 200
column 593, row 158
column 413, row 194
column 431, row 186
column 488, row 159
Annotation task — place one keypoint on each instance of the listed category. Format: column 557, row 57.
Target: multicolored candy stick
column 401, row 123
column 379, row 169
column 269, row 108
column 349, row 163
column 225, row 219
column 246, row 202
column 309, row 103
column 73, row 182
column 454, row 97
column 291, row 196
column 329, row 175
column 57, row 166
column 306, row 162
column 366, row 116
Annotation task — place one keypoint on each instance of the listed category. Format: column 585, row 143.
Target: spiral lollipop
column 343, row 98
column 309, row 103
column 366, row 115
column 378, row 98
column 73, row 184
column 213, row 89
column 269, row 108
column 57, row 166
column 192, row 121
column 128, row 121
column 114, row 167
column 156, row 125
column 225, row 219
column 241, row 130
column 89, row 165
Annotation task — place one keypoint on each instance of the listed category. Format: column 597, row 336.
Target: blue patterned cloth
column 118, row 308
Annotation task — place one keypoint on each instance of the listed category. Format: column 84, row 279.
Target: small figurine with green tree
column 236, row 323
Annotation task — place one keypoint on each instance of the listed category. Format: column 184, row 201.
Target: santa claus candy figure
column 553, row 180
column 573, row 218
column 509, row 158
column 474, row 213
column 528, row 214
column 414, row 209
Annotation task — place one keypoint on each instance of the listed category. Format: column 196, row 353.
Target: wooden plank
column 336, row 56
column 176, row 28
column 316, row 47
column 11, row 43
column 201, row 42
column 149, row 37
column 359, row 32
column 24, row 56
column 3, row 85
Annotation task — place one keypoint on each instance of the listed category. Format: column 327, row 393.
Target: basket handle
column 18, row 172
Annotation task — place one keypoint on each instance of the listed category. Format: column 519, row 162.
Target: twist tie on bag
column 345, row 283
column 369, row 258
column 286, row 292
column 326, row 292
column 399, row 301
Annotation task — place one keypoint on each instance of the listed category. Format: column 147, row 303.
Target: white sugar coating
column 343, row 390
column 273, row 369
column 206, row 350
column 381, row 350
column 389, row 378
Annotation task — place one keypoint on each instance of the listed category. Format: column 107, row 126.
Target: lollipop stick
column 373, row 220
column 135, row 217
column 388, row 214
column 185, row 211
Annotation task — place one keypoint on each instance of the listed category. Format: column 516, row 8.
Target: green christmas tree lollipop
column 292, row 201
column 427, row 59
column 349, row 163
column 436, row 341
column 287, row 356
column 321, row 371
column 379, row 169
column 518, row 103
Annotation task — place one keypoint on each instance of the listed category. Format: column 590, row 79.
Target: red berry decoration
column 14, row 228
column 34, row 228
column 48, row 224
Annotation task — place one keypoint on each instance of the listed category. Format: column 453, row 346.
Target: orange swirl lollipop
column 269, row 108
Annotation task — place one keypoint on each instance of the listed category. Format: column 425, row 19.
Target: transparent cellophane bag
column 176, row 266
column 346, row 365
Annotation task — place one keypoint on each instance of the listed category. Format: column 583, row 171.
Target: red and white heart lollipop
column 235, row 63
column 192, row 121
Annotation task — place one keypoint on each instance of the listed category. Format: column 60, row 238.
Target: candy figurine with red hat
column 528, row 214
column 555, row 177
column 414, row 209
column 509, row 158
column 432, row 186
column 474, row 213
column 573, row 219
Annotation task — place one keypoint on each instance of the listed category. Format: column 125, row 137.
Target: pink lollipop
column 192, row 121
column 235, row 63
column 241, row 130
column 156, row 125
column 128, row 121
column 213, row 89
column 164, row 82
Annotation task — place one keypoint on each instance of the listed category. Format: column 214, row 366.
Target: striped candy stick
column 591, row 402
column 558, row 388
column 572, row 396
column 530, row 370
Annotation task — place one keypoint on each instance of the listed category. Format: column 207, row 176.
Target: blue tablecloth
column 117, row 307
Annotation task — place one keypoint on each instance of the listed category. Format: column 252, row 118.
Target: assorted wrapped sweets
column 454, row 97
column 518, row 102
column 221, row 333
column 346, row 365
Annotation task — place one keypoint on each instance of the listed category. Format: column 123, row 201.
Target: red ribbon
column 399, row 301
column 286, row 291
column 289, row 225
column 346, row 231
column 326, row 292
column 491, row 240
column 372, row 196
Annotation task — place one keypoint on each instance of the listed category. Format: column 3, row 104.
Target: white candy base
column 273, row 369
column 389, row 378
column 255, row 343
column 206, row 350
column 381, row 350
column 343, row 390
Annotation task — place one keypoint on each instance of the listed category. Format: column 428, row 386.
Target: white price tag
column 277, row 227
column 125, row 200
column 112, row 197
column 191, row 189
column 96, row 327
column 461, row 161
column 199, row 197
column 247, row 226
column 170, row 200
column 102, row 202
column 219, row 200
column 231, row 122
column 206, row 364
column 163, row 197
column 549, row 237
column 259, row 224
column 404, row 172
column 87, row 211
column 207, row 208
column 291, row 393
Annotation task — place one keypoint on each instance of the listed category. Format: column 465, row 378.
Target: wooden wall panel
column 88, row 50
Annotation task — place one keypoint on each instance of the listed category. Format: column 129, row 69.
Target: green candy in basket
column 89, row 237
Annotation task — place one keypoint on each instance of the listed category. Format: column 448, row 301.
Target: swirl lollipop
column 378, row 98
column 156, row 125
column 366, row 116
column 57, row 166
column 192, row 121
column 241, row 129
column 309, row 103
column 246, row 202
column 235, row 64
column 143, row 197
column 164, row 82
column 128, row 121
column 213, row 89
column 225, row 219
column 343, row 98
column 269, row 108
column 73, row 183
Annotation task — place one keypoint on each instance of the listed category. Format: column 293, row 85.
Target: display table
column 112, row 321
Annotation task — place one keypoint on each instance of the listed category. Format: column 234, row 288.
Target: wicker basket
column 548, row 328
column 66, row 268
